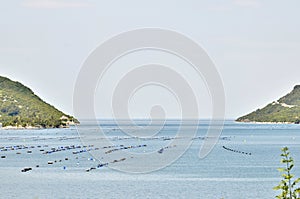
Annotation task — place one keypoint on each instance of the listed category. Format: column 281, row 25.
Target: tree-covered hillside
column 20, row 107
column 286, row 109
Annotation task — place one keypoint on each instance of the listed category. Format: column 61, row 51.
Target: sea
column 242, row 164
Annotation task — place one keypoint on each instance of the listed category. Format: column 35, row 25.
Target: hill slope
column 20, row 107
column 286, row 109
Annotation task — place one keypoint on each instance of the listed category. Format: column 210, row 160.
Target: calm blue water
column 222, row 174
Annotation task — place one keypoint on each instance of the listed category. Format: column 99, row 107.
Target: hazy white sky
column 255, row 45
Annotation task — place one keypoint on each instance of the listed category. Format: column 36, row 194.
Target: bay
column 249, row 172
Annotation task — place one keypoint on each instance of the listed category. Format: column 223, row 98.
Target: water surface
column 222, row 174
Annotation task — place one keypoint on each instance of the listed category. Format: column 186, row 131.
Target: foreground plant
column 287, row 185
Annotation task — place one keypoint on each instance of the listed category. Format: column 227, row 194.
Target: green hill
column 20, row 107
column 286, row 109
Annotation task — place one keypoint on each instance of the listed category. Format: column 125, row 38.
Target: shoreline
column 19, row 128
column 30, row 128
column 254, row 122
column 38, row 127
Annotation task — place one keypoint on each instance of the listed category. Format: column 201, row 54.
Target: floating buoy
column 3, row 156
column 102, row 165
column 26, row 169
column 90, row 169
column 161, row 150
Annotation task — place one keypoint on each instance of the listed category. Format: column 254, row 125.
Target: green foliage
column 276, row 111
column 19, row 106
column 292, row 97
column 287, row 185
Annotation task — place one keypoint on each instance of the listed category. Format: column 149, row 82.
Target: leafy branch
column 287, row 185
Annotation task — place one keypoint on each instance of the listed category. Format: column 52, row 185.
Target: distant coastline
column 19, row 128
column 35, row 127
column 254, row 122
column 285, row 110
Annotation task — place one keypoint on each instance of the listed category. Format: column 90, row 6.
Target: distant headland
column 20, row 108
column 284, row 110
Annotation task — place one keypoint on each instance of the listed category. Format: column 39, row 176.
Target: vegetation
column 287, row 185
column 20, row 107
column 286, row 109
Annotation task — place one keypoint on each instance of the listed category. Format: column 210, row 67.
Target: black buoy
column 3, row 156
column 26, row 169
column 161, row 150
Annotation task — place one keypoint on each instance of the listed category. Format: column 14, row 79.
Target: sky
column 254, row 44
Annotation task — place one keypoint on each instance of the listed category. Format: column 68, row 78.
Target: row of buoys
column 19, row 147
column 26, row 169
column 125, row 148
column 102, row 165
column 167, row 147
column 225, row 138
column 68, row 138
column 90, row 169
column 198, row 138
column 55, row 161
column 12, row 148
column 121, row 160
column 54, row 138
column 66, row 148
column 122, row 138
column 105, row 164
column 236, row 151
column 81, row 151
column 203, row 138
column 84, row 149
column 42, row 148
column 164, row 138
column 112, row 146
column 45, row 149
